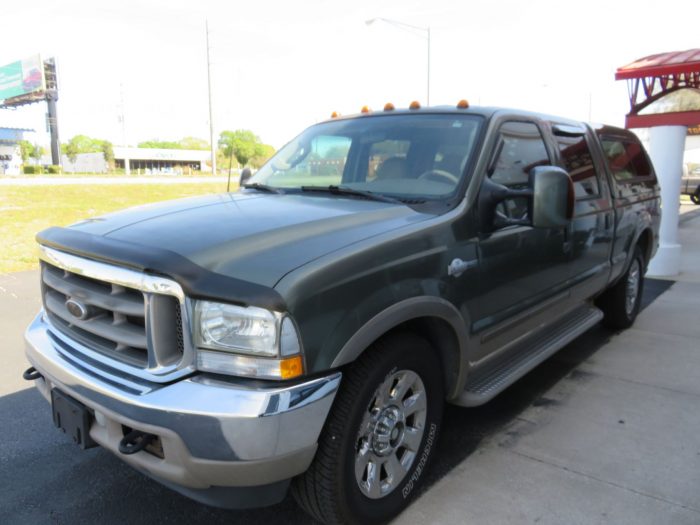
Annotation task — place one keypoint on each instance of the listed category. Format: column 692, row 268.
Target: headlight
column 246, row 341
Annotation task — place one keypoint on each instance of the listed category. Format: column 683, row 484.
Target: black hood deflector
column 197, row 282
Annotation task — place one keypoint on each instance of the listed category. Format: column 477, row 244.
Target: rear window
column 626, row 159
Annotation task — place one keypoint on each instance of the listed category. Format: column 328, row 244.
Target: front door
column 523, row 269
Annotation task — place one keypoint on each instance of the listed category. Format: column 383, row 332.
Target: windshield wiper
column 263, row 187
column 344, row 190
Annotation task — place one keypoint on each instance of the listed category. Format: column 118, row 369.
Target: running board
column 486, row 384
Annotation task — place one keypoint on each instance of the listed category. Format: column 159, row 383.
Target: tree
column 242, row 144
column 261, row 158
column 83, row 144
column 160, row 144
column 193, row 143
column 108, row 153
column 25, row 150
column 37, row 152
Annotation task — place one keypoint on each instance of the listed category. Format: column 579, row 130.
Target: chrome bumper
column 215, row 433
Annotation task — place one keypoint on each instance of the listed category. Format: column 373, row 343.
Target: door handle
column 457, row 267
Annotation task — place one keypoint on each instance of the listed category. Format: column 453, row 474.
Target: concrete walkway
column 616, row 441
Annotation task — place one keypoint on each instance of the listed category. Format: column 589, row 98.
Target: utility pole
column 211, row 111
column 127, row 167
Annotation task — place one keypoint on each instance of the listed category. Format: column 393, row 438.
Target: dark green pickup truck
column 307, row 330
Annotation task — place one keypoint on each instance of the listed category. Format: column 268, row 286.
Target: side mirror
column 245, row 175
column 552, row 202
column 550, row 195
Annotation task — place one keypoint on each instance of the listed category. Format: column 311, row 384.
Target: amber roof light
column 389, row 107
column 335, row 114
column 414, row 105
column 365, row 109
column 463, row 104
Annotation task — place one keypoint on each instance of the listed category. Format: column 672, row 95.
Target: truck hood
column 251, row 236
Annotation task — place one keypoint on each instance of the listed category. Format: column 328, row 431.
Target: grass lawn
column 26, row 210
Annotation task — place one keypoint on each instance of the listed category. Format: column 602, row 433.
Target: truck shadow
column 46, row 479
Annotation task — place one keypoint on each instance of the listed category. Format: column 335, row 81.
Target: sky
column 279, row 66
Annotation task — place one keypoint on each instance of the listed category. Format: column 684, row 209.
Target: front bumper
column 215, row 433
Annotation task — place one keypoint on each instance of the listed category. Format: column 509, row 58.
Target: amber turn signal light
column 291, row 367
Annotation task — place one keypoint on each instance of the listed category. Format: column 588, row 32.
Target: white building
column 10, row 157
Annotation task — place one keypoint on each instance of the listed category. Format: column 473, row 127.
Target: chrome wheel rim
column 390, row 433
column 632, row 287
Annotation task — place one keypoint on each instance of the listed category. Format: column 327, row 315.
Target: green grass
column 26, row 210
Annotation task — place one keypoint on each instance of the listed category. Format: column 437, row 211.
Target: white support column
column 666, row 146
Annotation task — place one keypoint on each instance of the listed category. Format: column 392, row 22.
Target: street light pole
column 211, row 110
column 403, row 25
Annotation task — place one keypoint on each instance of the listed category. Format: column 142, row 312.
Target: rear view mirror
column 552, row 197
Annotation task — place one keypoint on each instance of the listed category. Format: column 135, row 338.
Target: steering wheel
column 436, row 174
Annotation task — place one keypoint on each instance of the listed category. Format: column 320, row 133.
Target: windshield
column 402, row 156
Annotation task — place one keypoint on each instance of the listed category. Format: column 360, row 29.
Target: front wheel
column 621, row 303
column 379, row 437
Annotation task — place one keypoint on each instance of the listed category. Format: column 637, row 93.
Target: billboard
column 22, row 77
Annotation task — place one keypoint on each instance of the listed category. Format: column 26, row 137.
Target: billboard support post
column 51, row 97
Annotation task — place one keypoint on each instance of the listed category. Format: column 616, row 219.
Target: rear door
column 635, row 190
column 592, row 226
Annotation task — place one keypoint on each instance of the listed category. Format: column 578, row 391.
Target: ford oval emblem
column 76, row 309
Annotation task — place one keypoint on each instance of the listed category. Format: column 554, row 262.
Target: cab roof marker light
column 414, row 105
column 335, row 114
column 365, row 109
column 463, row 104
column 389, row 107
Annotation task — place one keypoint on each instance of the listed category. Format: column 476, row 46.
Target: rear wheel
column 695, row 197
column 621, row 303
column 379, row 437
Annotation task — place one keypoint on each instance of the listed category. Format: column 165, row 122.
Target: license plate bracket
column 73, row 418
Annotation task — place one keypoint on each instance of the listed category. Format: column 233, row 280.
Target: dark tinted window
column 625, row 158
column 577, row 159
column 520, row 149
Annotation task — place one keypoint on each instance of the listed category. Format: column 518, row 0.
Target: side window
column 578, row 161
column 626, row 159
column 520, row 149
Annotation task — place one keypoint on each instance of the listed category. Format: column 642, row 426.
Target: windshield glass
column 402, row 156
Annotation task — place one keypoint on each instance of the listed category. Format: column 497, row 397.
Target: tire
column 695, row 197
column 621, row 303
column 368, row 426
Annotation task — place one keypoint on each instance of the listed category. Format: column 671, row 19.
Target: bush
column 53, row 169
column 33, row 170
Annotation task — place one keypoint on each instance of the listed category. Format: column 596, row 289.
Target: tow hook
column 135, row 441
column 31, row 374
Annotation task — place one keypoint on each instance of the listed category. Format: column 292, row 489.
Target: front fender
column 422, row 307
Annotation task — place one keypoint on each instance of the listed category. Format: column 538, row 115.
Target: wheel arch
column 645, row 241
column 437, row 320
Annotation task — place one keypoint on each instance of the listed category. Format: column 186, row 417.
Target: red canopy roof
column 662, row 64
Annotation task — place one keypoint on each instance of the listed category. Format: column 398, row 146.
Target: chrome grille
column 140, row 328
